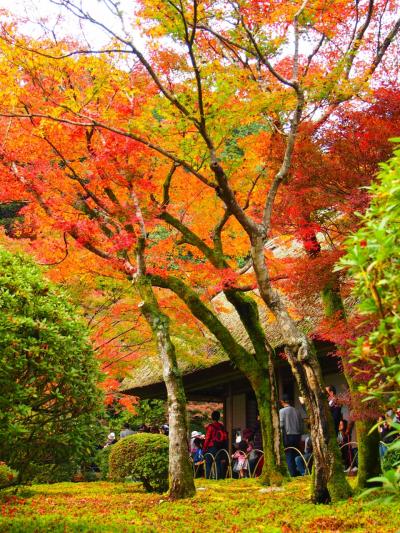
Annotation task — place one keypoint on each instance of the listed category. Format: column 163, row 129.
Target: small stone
column 271, row 489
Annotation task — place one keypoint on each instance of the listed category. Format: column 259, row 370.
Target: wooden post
column 230, row 418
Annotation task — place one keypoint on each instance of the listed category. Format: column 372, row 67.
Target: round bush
column 144, row 457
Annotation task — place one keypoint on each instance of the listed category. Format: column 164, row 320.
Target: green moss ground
column 231, row 505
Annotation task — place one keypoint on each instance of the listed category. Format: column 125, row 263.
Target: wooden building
column 222, row 382
column 211, row 376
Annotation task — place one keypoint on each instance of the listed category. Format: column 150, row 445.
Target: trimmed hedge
column 144, row 457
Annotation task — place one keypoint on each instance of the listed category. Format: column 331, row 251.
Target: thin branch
column 65, row 254
column 295, row 70
column 313, row 54
column 287, row 159
column 78, row 11
column 108, row 341
column 217, row 232
column 385, row 45
column 253, row 185
column 94, row 123
column 118, row 359
column 225, row 192
column 355, row 46
column 166, row 186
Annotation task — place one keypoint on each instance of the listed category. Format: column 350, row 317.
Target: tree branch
column 91, row 122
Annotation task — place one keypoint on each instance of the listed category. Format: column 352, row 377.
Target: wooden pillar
column 229, row 422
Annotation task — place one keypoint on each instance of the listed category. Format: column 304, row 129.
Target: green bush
column 373, row 260
column 144, row 457
column 49, row 401
column 391, row 459
column 102, row 460
column 7, row 475
column 52, row 473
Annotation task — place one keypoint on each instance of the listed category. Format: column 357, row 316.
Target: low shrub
column 7, row 475
column 51, row 473
column 144, row 457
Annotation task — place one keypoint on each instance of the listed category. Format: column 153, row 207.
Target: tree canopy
column 179, row 164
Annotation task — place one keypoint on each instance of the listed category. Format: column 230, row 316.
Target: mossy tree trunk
column 257, row 367
column 369, row 465
column 329, row 481
column 181, row 482
column 257, row 372
column 367, row 442
column 181, row 479
column 274, row 469
column 264, row 385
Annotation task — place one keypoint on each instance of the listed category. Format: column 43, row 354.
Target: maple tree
column 109, row 239
column 87, row 229
column 227, row 92
column 345, row 162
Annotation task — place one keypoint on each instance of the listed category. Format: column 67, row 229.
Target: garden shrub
column 391, row 459
column 50, row 402
column 102, row 461
column 52, row 473
column 144, row 457
column 7, row 475
column 373, row 260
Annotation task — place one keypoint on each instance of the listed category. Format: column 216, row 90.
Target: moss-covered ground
column 231, row 506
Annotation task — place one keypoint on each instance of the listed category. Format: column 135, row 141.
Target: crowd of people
column 127, row 430
column 298, row 439
column 212, row 447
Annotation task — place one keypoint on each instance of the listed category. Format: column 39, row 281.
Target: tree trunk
column 329, row 481
column 181, row 482
column 368, row 443
column 258, row 370
column 274, row 469
column 263, row 383
column 369, row 464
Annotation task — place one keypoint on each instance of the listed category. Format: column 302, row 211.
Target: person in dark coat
column 334, row 407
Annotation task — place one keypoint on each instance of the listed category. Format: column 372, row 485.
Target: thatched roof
column 148, row 371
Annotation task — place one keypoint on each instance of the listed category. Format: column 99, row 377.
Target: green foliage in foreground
column 391, row 459
column 387, row 486
column 373, row 260
column 144, row 457
column 49, row 401
column 222, row 506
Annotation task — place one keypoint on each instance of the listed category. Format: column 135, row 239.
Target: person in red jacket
column 215, row 440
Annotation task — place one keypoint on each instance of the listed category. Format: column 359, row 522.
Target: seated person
column 197, row 456
column 252, row 456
